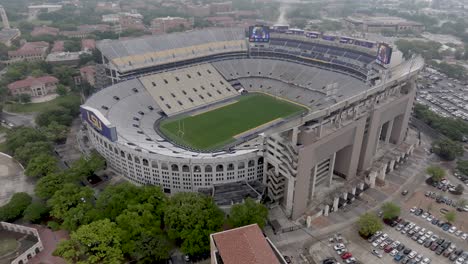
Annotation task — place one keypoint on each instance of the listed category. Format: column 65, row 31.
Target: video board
column 384, row 53
column 98, row 122
column 259, row 33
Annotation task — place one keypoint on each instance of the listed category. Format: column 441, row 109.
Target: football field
column 218, row 127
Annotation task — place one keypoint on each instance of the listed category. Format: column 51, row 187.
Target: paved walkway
column 50, row 239
column 12, row 179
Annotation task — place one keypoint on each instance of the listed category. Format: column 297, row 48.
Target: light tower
column 6, row 23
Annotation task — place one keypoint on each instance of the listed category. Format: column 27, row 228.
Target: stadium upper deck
column 134, row 54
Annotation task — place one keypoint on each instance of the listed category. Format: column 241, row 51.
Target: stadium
column 284, row 114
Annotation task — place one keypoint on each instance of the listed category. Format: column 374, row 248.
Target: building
column 130, row 21
column 379, row 24
column 30, row 51
column 85, row 30
column 45, row 30
column 107, row 6
column 28, row 240
column 223, row 7
column 88, row 44
column 167, row 24
column 110, row 18
column 246, row 245
column 35, row 87
column 35, row 10
column 59, row 46
column 222, row 21
column 197, row 10
column 65, row 58
column 352, row 114
column 88, row 74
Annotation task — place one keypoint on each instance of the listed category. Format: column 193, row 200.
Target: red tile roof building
column 88, row 44
column 166, row 24
column 45, row 30
column 35, row 87
column 30, row 51
column 59, row 46
column 246, row 245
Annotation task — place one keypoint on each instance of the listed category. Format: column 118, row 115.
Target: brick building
column 166, row 24
column 35, row 87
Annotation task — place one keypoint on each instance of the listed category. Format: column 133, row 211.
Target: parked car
column 376, row 253
column 346, row 255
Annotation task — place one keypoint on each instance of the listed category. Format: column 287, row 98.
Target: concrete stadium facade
column 294, row 159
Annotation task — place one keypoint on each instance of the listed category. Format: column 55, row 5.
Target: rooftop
column 246, row 245
column 386, row 20
column 31, row 48
column 32, row 80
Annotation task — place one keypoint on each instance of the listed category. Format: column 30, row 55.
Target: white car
column 452, row 229
column 339, row 246
column 412, row 210
column 434, row 238
column 459, row 261
column 418, row 258
column 430, row 218
column 425, row 215
column 426, row 261
column 464, row 236
column 350, row 260
column 376, row 253
column 412, row 254
column 458, row 233
column 377, row 242
column 393, row 252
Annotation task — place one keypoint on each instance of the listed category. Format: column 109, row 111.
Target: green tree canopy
column 368, row 224
column 390, row 210
column 191, row 218
column 48, row 185
column 109, row 202
column 35, row 212
column 450, row 216
column 96, row 243
column 462, row 166
column 15, row 207
column 85, row 167
column 31, row 149
column 447, row 149
column 55, row 132
column 73, row 205
column 41, row 165
column 249, row 212
column 18, row 137
column 436, row 172
column 452, row 128
column 60, row 115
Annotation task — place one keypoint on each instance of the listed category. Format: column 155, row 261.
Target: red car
column 388, row 248
column 346, row 255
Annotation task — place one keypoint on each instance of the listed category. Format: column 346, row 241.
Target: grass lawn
column 218, row 127
column 7, row 245
column 38, row 107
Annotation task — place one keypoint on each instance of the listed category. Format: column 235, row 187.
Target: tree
column 459, row 189
column 151, row 248
column 72, row 45
column 250, row 212
column 48, row 185
column 41, row 165
column 461, row 203
column 191, row 218
column 436, row 173
column 24, row 98
column 19, row 136
column 60, row 115
column 55, row 132
column 390, row 210
column 35, row 212
column 61, row 90
column 31, row 149
column 97, row 242
column 450, row 216
column 462, row 166
column 109, row 202
column 73, row 205
column 83, row 167
column 447, row 149
column 368, row 224
column 15, row 207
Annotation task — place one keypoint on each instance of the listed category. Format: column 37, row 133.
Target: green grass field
column 7, row 245
column 39, row 107
column 216, row 128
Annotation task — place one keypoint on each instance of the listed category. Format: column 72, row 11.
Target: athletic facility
column 286, row 114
